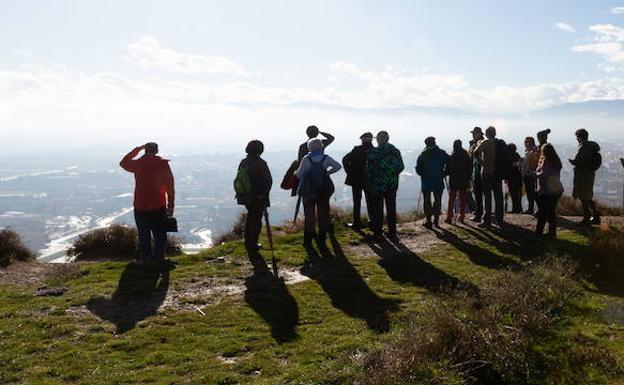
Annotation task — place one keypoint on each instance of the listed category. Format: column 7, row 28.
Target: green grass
column 273, row 333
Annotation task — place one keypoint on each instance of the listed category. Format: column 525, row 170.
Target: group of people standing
column 475, row 182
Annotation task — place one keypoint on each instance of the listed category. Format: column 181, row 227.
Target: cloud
column 150, row 55
column 565, row 27
column 617, row 10
column 607, row 42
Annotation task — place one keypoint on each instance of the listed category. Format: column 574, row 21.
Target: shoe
column 377, row 238
column 476, row 219
column 355, row 226
column 596, row 220
column 462, row 221
column 436, row 224
column 485, row 225
column 529, row 212
column 428, row 225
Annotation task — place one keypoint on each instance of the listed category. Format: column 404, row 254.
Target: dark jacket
column 515, row 175
column 459, row 170
column 584, row 173
column 354, row 164
column 503, row 164
column 261, row 182
column 430, row 166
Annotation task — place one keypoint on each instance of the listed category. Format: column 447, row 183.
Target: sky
column 211, row 75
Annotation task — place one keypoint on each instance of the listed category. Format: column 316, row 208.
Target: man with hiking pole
column 252, row 185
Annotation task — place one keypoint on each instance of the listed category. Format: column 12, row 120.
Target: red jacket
column 154, row 181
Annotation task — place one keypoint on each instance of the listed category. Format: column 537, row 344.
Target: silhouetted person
column 431, row 165
column 586, row 162
column 514, row 179
column 477, row 187
column 257, row 200
column 383, row 167
column 493, row 156
column 529, row 165
column 354, row 164
column 542, row 139
column 154, row 198
column 549, row 190
column 315, row 189
column 459, row 170
column 313, row 132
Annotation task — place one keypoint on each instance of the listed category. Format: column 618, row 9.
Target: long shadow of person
column 346, row 288
column 404, row 266
column 270, row 299
column 140, row 292
column 477, row 254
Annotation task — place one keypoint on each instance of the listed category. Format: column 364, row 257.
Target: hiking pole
column 297, row 207
column 270, row 237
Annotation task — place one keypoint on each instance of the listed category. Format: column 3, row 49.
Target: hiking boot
column 428, row 225
column 485, row 225
column 462, row 220
column 377, row 237
column 356, row 226
column 476, row 219
column 596, row 220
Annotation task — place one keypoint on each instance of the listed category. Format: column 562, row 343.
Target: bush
column 114, row 241
column 237, row 232
column 606, row 253
column 569, row 206
column 12, row 249
column 484, row 337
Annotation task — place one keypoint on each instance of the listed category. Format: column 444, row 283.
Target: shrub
column 572, row 207
column 115, row 241
column 484, row 337
column 12, row 249
column 236, row 232
column 606, row 250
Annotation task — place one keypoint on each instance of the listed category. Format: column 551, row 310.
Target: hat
column 543, row 133
column 477, row 130
column 366, row 135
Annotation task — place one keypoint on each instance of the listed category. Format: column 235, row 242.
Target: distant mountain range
column 604, row 108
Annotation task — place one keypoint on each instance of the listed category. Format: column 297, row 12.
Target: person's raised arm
column 331, row 165
column 329, row 139
column 170, row 186
column 128, row 162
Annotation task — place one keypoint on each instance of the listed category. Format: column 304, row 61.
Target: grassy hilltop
column 453, row 306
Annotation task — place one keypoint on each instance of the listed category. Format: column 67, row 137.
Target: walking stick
column 297, row 207
column 270, row 236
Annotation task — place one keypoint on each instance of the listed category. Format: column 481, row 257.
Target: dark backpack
column 596, row 161
column 316, row 182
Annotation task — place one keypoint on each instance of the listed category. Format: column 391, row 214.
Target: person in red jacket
column 154, row 198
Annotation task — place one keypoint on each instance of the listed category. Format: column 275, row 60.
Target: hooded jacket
column 431, row 165
column 154, row 186
column 383, row 167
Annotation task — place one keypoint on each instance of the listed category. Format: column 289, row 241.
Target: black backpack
column 596, row 161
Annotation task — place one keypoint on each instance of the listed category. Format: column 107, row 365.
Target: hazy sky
column 215, row 74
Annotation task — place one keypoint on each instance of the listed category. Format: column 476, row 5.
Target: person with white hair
column 315, row 190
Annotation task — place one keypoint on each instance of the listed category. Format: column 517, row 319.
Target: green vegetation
column 12, row 249
column 473, row 307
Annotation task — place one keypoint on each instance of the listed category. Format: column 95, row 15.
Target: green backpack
column 242, row 183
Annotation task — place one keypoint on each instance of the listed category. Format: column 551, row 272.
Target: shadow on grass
column 477, row 254
column 140, row 292
column 404, row 266
column 270, row 299
column 346, row 288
